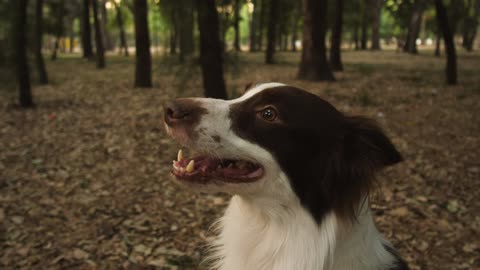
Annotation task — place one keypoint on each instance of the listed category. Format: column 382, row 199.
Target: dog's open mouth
column 204, row 168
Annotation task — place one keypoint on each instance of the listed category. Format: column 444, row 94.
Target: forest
column 85, row 160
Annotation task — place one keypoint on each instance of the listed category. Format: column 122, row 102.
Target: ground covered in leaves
column 84, row 177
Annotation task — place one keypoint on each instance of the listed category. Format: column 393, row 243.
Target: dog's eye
column 268, row 114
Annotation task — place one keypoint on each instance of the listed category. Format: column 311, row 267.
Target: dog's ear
column 363, row 151
column 365, row 140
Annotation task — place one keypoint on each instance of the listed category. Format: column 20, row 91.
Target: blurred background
column 85, row 161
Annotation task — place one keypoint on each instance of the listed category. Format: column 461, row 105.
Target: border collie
column 299, row 171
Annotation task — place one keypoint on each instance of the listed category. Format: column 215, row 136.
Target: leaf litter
column 84, row 177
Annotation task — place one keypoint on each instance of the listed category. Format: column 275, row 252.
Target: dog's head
column 279, row 141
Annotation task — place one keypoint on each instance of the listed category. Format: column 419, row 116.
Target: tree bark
column 296, row 21
column 271, row 31
column 210, row 50
column 355, row 37
column 186, row 29
column 438, row 43
column 41, row 70
column 236, row 25
column 263, row 9
column 314, row 65
column 121, row 27
column 364, row 34
column 443, row 24
column 336, row 38
column 86, row 31
column 253, row 27
column 174, row 29
column 143, row 63
column 23, row 74
column 100, row 53
column 58, row 28
column 377, row 10
column 470, row 27
column 414, row 27
column 107, row 37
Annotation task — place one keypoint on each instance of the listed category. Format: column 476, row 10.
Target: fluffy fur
column 309, row 215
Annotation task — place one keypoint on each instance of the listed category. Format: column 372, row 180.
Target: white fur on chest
column 288, row 238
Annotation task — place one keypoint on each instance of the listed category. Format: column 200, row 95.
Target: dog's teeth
column 190, row 166
column 180, row 155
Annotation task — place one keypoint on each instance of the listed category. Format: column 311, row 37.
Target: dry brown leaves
column 84, row 177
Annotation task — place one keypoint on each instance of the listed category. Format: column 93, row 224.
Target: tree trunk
column 174, row 32
column 86, row 31
column 377, row 10
column 42, row 72
column 263, row 9
column 72, row 38
column 355, row 37
column 55, row 49
column 100, row 53
column 364, row 34
column 296, row 21
column 336, row 38
column 107, row 37
column 143, row 63
column 121, row 27
column 23, row 76
column 210, row 50
column 253, row 27
column 470, row 27
column 442, row 19
column 414, row 27
column 186, row 29
column 314, row 65
column 271, row 32
column 236, row 25
column 438, row 43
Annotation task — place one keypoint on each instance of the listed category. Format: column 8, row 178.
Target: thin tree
column 236, row 25
column 143, row 63
column 271, row 31
column 23, row 74
column 377, row 11
column 40, row 64
column 336, row 41
column 295, row 22
column 414, row 27
column 253, row 27
column 443, row 24
column 438, row 42
column 59, row 11
column 210, row 50
column 470, row 25
column 314, row 65
column 364, row 27
column 263, row 12
column 121, row 28
column 86, row 30
column 100, row 53
column 186, row 43
column 107, row 37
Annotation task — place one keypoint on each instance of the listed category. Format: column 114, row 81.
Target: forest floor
column 84, row 177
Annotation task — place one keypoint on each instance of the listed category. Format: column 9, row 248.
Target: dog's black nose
column 181, row 111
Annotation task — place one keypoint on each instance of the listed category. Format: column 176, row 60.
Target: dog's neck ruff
column 253, row 235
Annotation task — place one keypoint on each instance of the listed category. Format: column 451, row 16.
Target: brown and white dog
column 299, row 172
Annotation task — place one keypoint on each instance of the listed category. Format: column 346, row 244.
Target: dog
column 300, row 172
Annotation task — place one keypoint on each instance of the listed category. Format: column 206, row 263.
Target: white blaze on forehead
column 255, row 90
